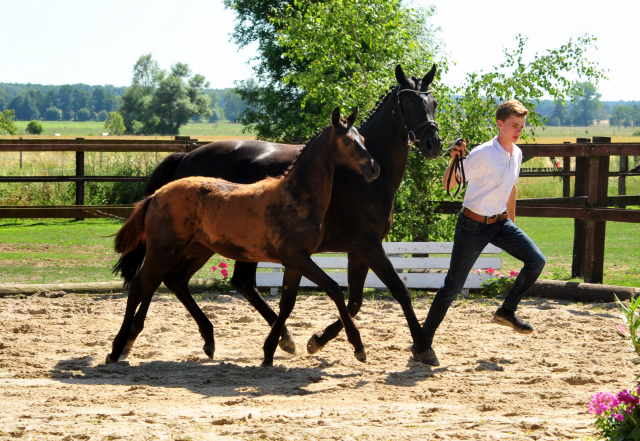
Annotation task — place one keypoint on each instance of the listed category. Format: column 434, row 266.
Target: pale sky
column 98, row 42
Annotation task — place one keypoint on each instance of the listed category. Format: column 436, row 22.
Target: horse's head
column 350, row 146
column 418, row 111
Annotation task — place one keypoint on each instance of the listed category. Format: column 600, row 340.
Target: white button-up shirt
column 491, row 173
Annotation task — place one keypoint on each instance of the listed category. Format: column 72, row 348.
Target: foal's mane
column 309, row 142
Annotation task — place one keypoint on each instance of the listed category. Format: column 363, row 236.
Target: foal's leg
column 244, row 280
column 195, row 252
column 143, row 285
column 303, row 264
column 356, row 278
column 177, row 280
column 372, row 252
column 290, row 284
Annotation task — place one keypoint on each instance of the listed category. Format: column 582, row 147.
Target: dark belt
column 484, row 219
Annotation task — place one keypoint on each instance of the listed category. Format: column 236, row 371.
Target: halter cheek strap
column 411, row 132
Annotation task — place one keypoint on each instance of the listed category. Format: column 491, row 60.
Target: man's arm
column 456, row 151
column 511, row 205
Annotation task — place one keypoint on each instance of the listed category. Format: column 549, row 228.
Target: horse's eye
column 408, row 104
column 347, row 141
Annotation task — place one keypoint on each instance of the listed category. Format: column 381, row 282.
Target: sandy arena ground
column 492, row 382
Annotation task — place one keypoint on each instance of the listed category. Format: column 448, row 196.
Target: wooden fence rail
column 589, row 206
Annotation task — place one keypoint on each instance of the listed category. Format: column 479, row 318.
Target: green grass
column 95, row 128
column 63, row 251
column 59, row 251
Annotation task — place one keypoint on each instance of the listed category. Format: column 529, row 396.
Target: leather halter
column 411, row 132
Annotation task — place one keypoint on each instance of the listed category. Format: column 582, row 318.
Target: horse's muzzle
column 370, row 170
column 429, row 146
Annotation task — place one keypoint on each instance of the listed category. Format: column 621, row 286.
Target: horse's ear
column 335, row 117
column 428, row 78
column 354, row 115
column 400, row 76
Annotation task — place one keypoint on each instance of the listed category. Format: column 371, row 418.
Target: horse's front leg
column 374, row 255
column 357, row 274
column 314, row 273
column 290, row 284
column 244, row 280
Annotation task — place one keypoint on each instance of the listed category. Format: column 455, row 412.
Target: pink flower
column 223, row 265
column 623, row 332
column 478, row 271
column 224, row 273
column 497, row 273
column 490, row 271
column 619, row 417
column 514, row 274
column 213, row 268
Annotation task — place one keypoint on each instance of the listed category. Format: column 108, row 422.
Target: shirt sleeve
column 519, row 167
column 472, row 164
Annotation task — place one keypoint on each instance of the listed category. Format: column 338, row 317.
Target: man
column 488, row 217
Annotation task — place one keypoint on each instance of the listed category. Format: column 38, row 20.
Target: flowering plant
column 617, row 416
column 222, row 284
column 631, row 319
column 498, row 284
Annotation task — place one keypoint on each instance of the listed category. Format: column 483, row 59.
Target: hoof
column 287, row 344
column 427, row 357
column 361, row 355
column 267, row 363
column 209, row 349
column 313, row 346
column 110, row 359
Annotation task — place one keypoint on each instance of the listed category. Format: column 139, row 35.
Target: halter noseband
column 411, row 133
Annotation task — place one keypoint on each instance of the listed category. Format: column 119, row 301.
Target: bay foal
column 274, row 220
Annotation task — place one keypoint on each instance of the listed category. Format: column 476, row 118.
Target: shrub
column 34, row 128
column 115, row 124
column 636, row 133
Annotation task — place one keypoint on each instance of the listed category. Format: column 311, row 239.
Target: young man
column 488, row 217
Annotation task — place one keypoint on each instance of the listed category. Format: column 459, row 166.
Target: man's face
column 512, row 127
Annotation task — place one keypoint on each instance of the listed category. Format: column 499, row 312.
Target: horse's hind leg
column 291, row 282
column 142, row 286
column 177, row 280
column 356, row 277
column 244, row 280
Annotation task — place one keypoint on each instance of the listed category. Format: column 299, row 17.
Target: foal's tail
column 130, row 243
column 163, row 173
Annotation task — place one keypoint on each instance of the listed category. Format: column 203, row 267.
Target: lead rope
column 456, row 169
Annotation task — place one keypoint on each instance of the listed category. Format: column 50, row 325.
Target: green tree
column 83, row 114
column 622, row 116
column 8, row 123
column 560, row 115
column 102, row 115
column 115, row 124
column 102, row 100
column 586, row 101
column 34, row 128
column 233, row 105
column 65, row 100
column 163, row 102
column 52, row 114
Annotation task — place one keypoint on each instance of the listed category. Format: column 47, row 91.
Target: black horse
column 359, row 216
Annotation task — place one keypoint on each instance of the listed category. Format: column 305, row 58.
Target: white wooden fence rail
column 395, row 250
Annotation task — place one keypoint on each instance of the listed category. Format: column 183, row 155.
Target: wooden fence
column 589, row 206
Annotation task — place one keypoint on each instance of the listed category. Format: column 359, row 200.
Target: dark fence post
column 566, row 180
column 579, row 225
column 595, row 230
column 79, row 173
column 622, row 180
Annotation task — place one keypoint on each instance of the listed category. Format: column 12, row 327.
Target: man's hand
column 459, row 150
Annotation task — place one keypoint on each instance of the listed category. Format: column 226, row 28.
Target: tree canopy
column 159, row 101
column 8, row 123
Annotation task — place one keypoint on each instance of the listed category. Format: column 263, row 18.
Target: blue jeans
column 471, row 237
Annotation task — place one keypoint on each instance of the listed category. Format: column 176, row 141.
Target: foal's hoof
column 209, row 349
column 111, row 359
column 313, row 345
column 267, row 363
column 361, row 355
column 287, row 344
column 427, row 357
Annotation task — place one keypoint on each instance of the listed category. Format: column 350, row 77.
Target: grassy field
column 60, row 251
column 95, row 129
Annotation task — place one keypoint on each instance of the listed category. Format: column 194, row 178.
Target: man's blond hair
column 511, row 107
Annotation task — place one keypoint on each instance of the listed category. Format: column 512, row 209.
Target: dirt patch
column 492, row 384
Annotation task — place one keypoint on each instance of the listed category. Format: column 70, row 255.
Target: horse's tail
column 163, row 174
column 130, row 243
